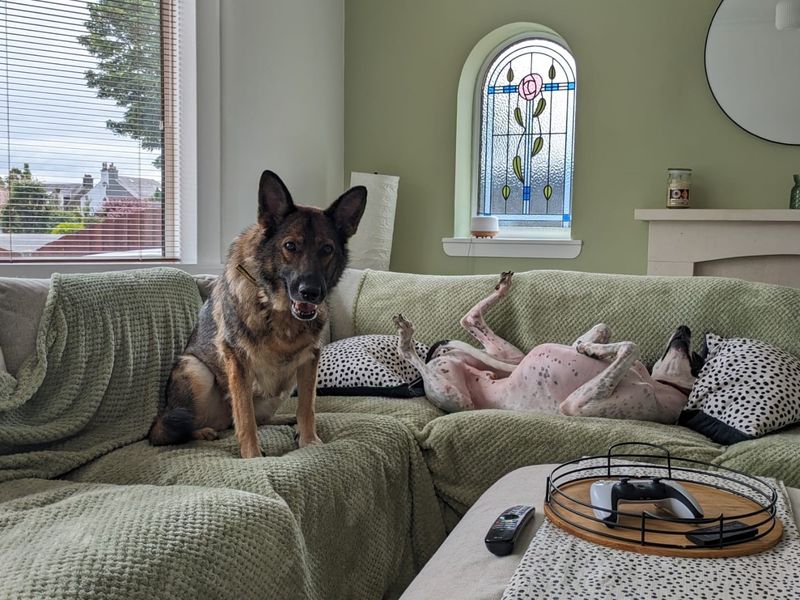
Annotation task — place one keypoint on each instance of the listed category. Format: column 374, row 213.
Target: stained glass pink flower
column 530, row 86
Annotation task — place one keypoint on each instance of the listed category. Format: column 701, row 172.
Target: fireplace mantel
column 757, row 244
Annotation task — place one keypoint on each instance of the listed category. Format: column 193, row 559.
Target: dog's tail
column 174, row 426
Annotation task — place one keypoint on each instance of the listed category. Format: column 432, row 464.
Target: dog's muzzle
column 305, row 311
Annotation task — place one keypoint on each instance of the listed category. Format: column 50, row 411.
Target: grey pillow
column 205, row 283
column 21, row 304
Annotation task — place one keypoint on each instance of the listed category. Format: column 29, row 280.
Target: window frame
column 186, row 171
column 510, row 242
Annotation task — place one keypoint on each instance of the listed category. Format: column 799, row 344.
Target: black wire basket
column 658, row 531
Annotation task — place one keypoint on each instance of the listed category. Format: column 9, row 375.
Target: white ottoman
column 463, row 568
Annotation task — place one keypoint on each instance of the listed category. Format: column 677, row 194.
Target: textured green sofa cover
column 467, row 452
column 90, row 509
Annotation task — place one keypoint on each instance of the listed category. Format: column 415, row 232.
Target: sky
column 48, row 116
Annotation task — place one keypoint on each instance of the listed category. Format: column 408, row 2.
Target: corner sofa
column 359, row 516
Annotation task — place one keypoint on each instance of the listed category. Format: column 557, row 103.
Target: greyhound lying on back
column 592, row 378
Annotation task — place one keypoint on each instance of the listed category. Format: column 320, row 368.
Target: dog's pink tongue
column 305, row 307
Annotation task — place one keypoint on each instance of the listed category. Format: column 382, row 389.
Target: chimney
column 113, row 174
column 104, row 174
column 88, row 180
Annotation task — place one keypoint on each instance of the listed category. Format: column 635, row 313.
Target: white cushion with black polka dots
column 746, row 389
column 367, row 365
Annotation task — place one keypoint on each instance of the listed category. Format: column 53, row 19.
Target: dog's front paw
column 504, row 284
column 404, row 327
column 309, row 441
column 251, row 452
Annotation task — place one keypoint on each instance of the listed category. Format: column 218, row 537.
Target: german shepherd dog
column 258, row 334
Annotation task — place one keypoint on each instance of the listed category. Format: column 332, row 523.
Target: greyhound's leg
column 441, row 385
column 476, row 325
column 587, row 400
column 599, row 334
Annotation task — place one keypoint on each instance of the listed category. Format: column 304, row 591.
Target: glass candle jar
column 679, row 183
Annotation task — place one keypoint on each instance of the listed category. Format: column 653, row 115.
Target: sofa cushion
column 415, row 413
column 558, row 306
column 364, row 497
column 467, row 452
column 60, row 539
column 746, row 389
column 21, row 305
column 776, row 455
column 368, row 365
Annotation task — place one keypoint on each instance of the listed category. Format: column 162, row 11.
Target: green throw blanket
column 105, row 346
column 354, row 518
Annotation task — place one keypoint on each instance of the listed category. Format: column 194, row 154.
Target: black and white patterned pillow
column 745, row 390
column 368, row 365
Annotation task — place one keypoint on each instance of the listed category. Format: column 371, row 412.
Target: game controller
column 667, row 494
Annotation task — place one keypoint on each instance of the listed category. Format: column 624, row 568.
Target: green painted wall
column 643, row 106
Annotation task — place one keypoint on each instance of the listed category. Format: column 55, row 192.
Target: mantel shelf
column 715, row 214
column 757, row 244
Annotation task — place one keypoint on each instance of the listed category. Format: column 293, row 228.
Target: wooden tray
column 714, row 501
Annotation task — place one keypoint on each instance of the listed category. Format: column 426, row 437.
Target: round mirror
column 753, row 66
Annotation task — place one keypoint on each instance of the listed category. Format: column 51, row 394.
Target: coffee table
column 462, row 567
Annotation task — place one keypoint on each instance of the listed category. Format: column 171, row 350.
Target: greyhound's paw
column 505, row 282
column 582, row 348
column 601, row 333
column 206, row 433
column 311, row 441
column 404, row 327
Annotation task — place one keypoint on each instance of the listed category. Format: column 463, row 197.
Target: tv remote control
column 505, row 530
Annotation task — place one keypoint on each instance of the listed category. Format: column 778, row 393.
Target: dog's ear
column 697, row 361
column 274, row 201
column 348, row 209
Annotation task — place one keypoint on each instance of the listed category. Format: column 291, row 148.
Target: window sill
column 511, row 247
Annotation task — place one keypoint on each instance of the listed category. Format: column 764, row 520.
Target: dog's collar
column 680, row 388
column 246, row 274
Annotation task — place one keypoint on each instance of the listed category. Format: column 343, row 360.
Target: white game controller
column 667, row 494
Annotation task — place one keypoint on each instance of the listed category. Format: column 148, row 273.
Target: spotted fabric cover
column 368, row 365
column 560, row 565
column 746, row 389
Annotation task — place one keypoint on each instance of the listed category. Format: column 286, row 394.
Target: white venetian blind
column 89, row 130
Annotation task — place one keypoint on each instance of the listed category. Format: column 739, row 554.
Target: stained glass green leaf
column 540, row 107
column 537, row 146
column 518, row 116
column 506, row 192
column 548, row 191
column 552, row 72
column 510, row 75
column 517, row 164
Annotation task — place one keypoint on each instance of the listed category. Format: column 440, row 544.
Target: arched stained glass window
column 527, row 131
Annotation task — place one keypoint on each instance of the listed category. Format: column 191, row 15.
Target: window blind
column 89, row 130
